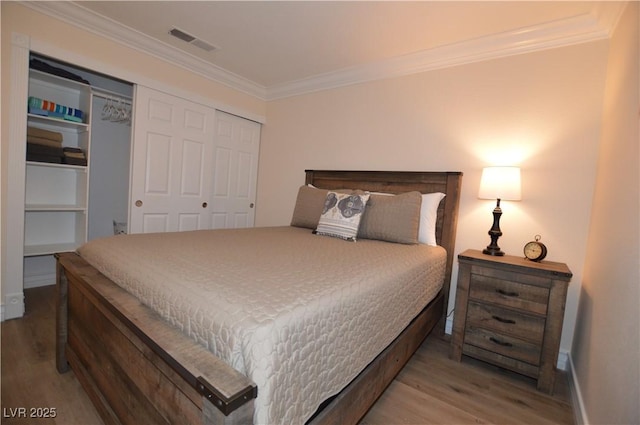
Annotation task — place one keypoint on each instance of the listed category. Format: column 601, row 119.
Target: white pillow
column 428, row 217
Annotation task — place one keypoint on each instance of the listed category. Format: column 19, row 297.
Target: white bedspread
column 299, row 314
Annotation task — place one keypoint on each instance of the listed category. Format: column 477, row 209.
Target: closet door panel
column 155, row 223
column 158, row 164
column 235, row 171
column 172, row 163
column 193, row 155
column 222, row 166
column 189, row 222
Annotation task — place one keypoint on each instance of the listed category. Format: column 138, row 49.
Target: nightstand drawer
column 510, row 294
column 514, row 323
column 503, row 344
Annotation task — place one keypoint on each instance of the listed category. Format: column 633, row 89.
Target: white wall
column 540, row 111
column 606, row 349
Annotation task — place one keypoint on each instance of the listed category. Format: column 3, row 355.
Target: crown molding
column 561, row 33
column 597, row 25
column 78, row 16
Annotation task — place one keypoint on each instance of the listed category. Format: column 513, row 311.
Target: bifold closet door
column 172, row 163
column 235, row 171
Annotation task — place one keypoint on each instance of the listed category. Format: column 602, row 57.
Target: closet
column 85, row 178
column 77, row 164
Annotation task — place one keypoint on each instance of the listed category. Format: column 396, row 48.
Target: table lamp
column 500, row 183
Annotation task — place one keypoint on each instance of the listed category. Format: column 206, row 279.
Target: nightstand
column 509, row 312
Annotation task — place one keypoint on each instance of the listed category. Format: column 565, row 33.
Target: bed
column 142, row 359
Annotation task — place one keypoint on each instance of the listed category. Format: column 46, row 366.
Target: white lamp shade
column 500, row 183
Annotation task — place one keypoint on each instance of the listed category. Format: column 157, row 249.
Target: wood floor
column 431, row 389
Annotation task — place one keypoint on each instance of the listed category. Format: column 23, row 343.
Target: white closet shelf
column 57, row 81
column 35, row 250
column 71, row 125
column 54, row 207
column 82, row 168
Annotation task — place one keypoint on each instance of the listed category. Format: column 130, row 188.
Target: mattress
column 299, row 314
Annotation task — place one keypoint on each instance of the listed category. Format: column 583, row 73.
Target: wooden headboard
column 448, row 182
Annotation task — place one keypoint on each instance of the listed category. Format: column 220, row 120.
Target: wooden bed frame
column 138, row 369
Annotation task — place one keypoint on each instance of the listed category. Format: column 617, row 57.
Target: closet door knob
column 251, row 205
column 138, row 203
column 204, row 205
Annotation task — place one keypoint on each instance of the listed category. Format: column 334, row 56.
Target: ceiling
column 277, row 48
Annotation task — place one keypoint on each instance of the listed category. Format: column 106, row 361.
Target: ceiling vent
column 192, row 40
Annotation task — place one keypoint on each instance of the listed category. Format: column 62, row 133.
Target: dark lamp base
column 493, row 251
column 495, row 233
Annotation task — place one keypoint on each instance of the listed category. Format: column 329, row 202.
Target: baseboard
column 563, row 360
column 448, row 326
column 13, row 306
column 579, row 412
column 38, row 280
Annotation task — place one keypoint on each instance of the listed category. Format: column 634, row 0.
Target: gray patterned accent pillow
column 341, row 215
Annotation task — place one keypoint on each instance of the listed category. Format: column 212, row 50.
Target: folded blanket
column 44, row 158
column 44, row 150
column 43, row 141
column 75, row 161
column 50, row 69
column 45, row 134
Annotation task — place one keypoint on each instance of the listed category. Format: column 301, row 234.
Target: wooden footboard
column 136, row 368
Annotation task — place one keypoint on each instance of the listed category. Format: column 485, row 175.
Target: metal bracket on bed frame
column 224, row 404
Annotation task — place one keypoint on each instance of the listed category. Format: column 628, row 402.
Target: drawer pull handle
column 497, row 341
column 507, row 293
column 500, row 319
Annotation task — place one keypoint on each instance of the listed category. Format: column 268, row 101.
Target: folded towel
column 44, row 150
column 44, row 142
column 65, row 110
column 45, row 134
column 74, row 155
column 38, row 111
column 55, row 110
column 74, row 161
column 47, row 105
column 65, row 117
column 44, row 158
column 34, row 102
column 72, row 118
